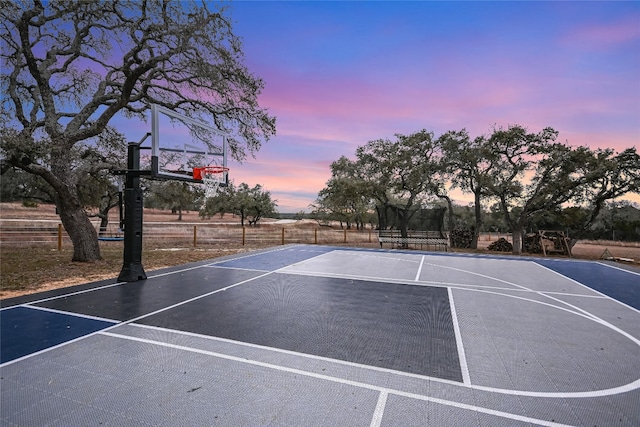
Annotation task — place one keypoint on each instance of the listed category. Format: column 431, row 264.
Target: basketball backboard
column 180, row 143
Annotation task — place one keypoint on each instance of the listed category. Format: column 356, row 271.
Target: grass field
column 31, row 268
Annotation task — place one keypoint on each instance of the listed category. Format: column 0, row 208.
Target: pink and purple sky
column 339, row 74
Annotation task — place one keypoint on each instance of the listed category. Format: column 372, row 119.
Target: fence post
column 345, row 235
column 315, row 236
column 195, row 234
column 59, row 237
column 244, row 234
column 369, row 235
column 283, row 235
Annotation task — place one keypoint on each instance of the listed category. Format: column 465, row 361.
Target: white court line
column 473, row 273
column 224, row 267
column 68, row 295
column 574, row 310
column 10, row 362
column 596, row 393
column 618, row 268
column 567, row 294
column 341, row 381
column 376, row 421
column 375, row 254
column 68, row 313
column 605, row 392
column 419, row 269
column 587, row 287
column 298, row 354
column 45, row 350
column 562, row 395
column 544, row 294
column 464, row 368
column 109, row 286
column 149, row 277
column 426, row 283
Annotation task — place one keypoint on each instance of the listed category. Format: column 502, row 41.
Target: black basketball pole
column 132, row 269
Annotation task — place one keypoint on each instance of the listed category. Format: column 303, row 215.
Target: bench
column 428, row 238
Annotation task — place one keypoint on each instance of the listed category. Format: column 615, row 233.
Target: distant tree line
column 618, row 221
column 250, row 204
column 100, row 195
column 529, row 180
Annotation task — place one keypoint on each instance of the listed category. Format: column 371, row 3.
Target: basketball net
column 212, row 177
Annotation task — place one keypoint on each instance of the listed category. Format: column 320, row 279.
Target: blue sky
column 339, row 74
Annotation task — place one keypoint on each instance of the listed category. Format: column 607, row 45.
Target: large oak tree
column 70, row 67
column 535, row 174
column 468, row 163
column 402, row 173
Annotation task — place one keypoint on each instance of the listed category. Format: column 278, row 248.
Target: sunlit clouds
column 339, row 74
column 606, row 34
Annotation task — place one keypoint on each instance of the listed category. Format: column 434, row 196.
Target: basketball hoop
column 212, row 177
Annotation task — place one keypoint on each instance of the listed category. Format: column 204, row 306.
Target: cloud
column 339, row 74
column 600, row 36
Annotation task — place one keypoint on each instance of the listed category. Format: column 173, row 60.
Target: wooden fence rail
column 54, row 235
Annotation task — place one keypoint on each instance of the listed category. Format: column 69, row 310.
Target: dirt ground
column 29, row 270
column 595, row 249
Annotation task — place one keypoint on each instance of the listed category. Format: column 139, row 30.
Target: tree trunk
column 517, row 240
column 72, row 215
column 106, row 203
column 404, row 222
column 104, row 222
column 403, row 215
column 572, row 242
column 517, row 230
column 80, row 229
column 478, row 218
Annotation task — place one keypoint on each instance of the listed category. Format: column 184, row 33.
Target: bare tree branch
column 71, row 66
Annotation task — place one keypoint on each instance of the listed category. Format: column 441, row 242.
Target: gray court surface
column 306, row 335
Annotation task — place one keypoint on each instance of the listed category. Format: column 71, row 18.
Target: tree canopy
column 70, row 67
column 345, row 198
column 402, row 172
column 251, row 204
column 525, row 174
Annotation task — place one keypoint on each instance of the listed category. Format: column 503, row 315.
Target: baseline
column 619, row 284
column 378, row 413
column 27, row 330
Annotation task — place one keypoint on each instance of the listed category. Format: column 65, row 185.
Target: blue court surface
column 307, row 335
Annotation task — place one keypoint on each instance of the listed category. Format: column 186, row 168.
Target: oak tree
column 404, row 172
column 346, row 196
column 69, row 68
column 252, row 203
column 468, row 164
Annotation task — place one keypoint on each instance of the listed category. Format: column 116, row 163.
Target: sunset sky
column 339, row 74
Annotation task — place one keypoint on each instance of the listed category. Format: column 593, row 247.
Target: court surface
column 306, row 335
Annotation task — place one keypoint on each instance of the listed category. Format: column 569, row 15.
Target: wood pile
column 547, row 242
column 461, row 238
column 532, row 243
column 501, row 245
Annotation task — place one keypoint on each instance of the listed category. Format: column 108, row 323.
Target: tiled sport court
column 307, row 335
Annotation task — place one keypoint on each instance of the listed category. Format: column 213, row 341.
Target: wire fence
column 48, row 233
